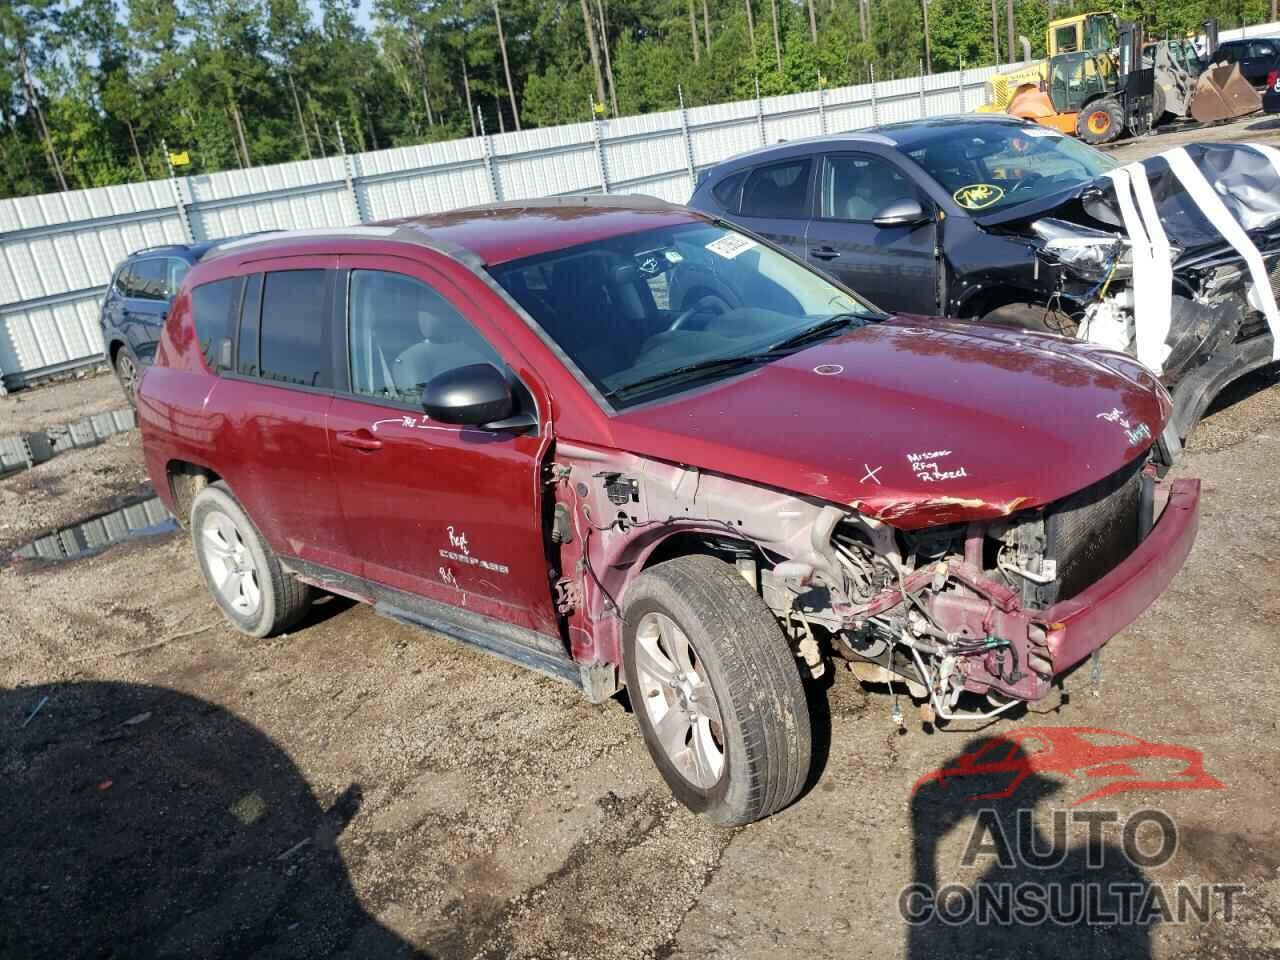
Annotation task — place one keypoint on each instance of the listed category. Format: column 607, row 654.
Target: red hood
column 916, row 422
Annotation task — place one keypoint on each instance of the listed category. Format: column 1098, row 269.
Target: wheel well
column 693, row 543
column 983, row 302
column 114, row 348
column 186, row 480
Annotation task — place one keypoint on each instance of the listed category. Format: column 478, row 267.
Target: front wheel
column 1100, row 122
column 716, row 690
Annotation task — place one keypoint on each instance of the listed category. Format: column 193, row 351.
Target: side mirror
column 901, row 213
column 472, row 396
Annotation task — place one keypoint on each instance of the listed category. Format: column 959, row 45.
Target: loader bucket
column 1222, row 93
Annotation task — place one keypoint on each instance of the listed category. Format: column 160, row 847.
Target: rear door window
column 211, row 306
column 149, row 279
column 294, row 328
column 778, row 191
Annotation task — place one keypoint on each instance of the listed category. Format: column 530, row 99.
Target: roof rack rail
column 157, row 246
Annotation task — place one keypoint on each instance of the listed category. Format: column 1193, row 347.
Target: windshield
column 989, row 168
column 634, row 309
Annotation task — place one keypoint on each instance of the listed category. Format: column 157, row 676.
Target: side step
column 597, row 682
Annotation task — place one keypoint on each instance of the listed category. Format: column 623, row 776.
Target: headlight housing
column 1092, row 258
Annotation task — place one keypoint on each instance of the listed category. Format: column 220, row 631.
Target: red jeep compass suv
column 493, row 424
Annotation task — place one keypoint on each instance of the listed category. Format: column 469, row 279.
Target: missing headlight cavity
column 620, row 489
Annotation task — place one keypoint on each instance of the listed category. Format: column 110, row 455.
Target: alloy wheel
column 230, row 564
column 679, row 701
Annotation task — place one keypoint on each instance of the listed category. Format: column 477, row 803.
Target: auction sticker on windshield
column 730, row 245
column 977, row 196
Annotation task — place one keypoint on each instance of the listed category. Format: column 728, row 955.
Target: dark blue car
column 137, row 303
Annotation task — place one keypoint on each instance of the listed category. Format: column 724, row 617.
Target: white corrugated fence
column 57, row 250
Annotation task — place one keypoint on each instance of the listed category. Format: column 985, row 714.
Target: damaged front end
column 994, row 607
column 1184, row 282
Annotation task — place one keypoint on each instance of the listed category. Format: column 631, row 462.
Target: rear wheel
column 242, row 572
column 716, row 690
column 1100, row 122
column 127, row 374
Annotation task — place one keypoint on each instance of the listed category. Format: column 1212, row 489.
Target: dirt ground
column 361, row 789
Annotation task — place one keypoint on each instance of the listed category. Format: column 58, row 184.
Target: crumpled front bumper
column 1077, row 627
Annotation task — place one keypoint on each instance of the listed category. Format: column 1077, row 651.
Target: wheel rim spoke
column 708, row 757
column 651, row 664
column 678, row 700
column 673, row 732
column 230, row 563
column 703, row 701
column 676, row 645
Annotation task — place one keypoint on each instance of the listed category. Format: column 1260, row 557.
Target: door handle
column 359, row 440
column 824, row 253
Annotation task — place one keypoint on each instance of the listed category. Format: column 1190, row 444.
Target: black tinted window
column 729, row 191
column 149, row 279
column 293, row 328
column 777, row 190
column 1261, row 48
column 211, row 306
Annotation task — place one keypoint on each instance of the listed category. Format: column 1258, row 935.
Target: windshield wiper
column 709, row 365
column 835, row 322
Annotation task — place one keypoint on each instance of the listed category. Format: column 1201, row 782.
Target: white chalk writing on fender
column 925, row 466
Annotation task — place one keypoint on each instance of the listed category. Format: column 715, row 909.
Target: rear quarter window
column 728, row 192
column 293, row 346
column 211, row 306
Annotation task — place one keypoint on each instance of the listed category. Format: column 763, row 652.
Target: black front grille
column 1090, row 532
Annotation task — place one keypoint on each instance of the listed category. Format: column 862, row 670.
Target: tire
column 756, row 716
column 1100, row 122
column 264, row 600
column 126, row 369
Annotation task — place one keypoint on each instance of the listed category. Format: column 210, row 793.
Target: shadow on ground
column 138, row 821
column 1004, row 850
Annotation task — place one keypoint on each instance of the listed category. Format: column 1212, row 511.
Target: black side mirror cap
column 901, row 213
column 474, row 395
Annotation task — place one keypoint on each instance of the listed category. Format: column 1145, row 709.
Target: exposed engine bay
column 982, row 608
column 1174, row 260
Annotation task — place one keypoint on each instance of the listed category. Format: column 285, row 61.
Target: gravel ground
column 449, row 803
column 61, row 401
column 361, row 789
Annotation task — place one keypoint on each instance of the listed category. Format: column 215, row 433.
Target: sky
column 364, row 16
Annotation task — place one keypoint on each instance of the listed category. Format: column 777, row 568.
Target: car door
column 450, row 513
column 147, row 305
column 895, row 267
column 775, row 201
column 273, row 401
